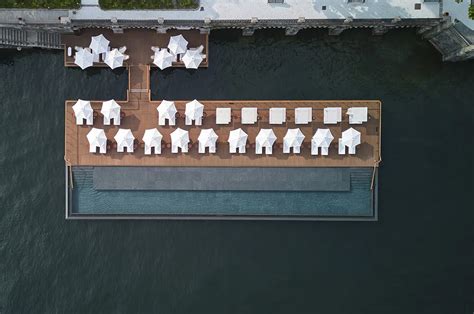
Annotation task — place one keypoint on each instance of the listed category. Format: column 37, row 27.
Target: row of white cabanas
column 178, row 47
column 237, row 140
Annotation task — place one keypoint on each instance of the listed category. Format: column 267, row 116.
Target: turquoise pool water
column 358, row 202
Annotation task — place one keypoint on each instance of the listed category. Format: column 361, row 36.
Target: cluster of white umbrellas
column 178, row 45
column 99, row 45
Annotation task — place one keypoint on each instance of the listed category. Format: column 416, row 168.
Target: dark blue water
column 418, row 258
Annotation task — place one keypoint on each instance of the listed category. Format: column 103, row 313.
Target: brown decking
column 141, row 114
column 145, row 116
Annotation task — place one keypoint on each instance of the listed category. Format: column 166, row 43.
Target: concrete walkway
column 290, row 10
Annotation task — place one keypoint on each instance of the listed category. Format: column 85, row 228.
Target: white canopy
column 177, row 44
column 192, row 59
column 83, row 110
column 265, row 138
column 152, row 138
column 179, row 139
column 357, row 115
column 293, row 138
column 163, row 59
column 166, row 110
column 114, row 59
column 194, row 112
column 99, row 44
column 237, row 140
column 84, row 58
column 124, row 139
column 111, row 110
column 97, row 138
column 351, row 138
column 207, row 138
column 322, row 138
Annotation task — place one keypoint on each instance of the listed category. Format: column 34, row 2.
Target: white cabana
column 249, row 115
column 332, row 115
column 207, row 138
column 114, row 58
column 357, row 115
column 350, row 138
column 124, row 139
column 99, row 44
column 111, row 110
column 223, row 115
column 322, row 138
column 265, row 139
column 167, row 111
column 152, row 138
column 84, row 58
column 237, row 141
column 97, row 138
column 194, row 112
column 163, row 59
column 303, row 115
column 83, row 111
column 293, row 139
column 192, row 59
column 277, row 115
column 179, row 139
column 177, row 44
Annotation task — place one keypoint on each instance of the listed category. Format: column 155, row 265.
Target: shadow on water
column 417, row 259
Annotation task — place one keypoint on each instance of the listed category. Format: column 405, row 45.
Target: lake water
column 418, row 258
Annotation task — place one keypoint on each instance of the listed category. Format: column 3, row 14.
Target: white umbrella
column 237, row 139
column 179, row 139
column 114, row 58
column 83, row 110
column 266, row 137
column 124, row 138
column 323, row 137
column 111, row 110
column 152, row 138
column 351, row 137
column 177, row 44
column 99, row 44
column 192, row 59
column 97, row 138
column 194, row 111
column 207, row 138
column 84, row 58
column 166, row 110
column 163, row 59
column 293, row 137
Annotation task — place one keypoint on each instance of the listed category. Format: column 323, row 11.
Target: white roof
column 180, row 137
column 84, row 58
column 207, row 137
column 323, row 137
column 194, row 110
column 124, row 138
column 99, row 44
column 293, row 138
column 167, row 109
column 237, row 138
column 82, row 109
column 303, row 115
column 110, row 109
column 152, row 137
column 163, row 59
column 277, row 115
column 114, row 58
column 248, row 115
column 351, row 137
column 266, row 138
column 177, row 44
column 357, row 115
column 97, row 138
column 332, row 115
column 192, row 59
column 223, row 115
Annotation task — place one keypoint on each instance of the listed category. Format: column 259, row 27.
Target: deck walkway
column 141, row 114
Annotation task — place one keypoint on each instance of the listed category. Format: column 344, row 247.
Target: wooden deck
column 141, row 114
